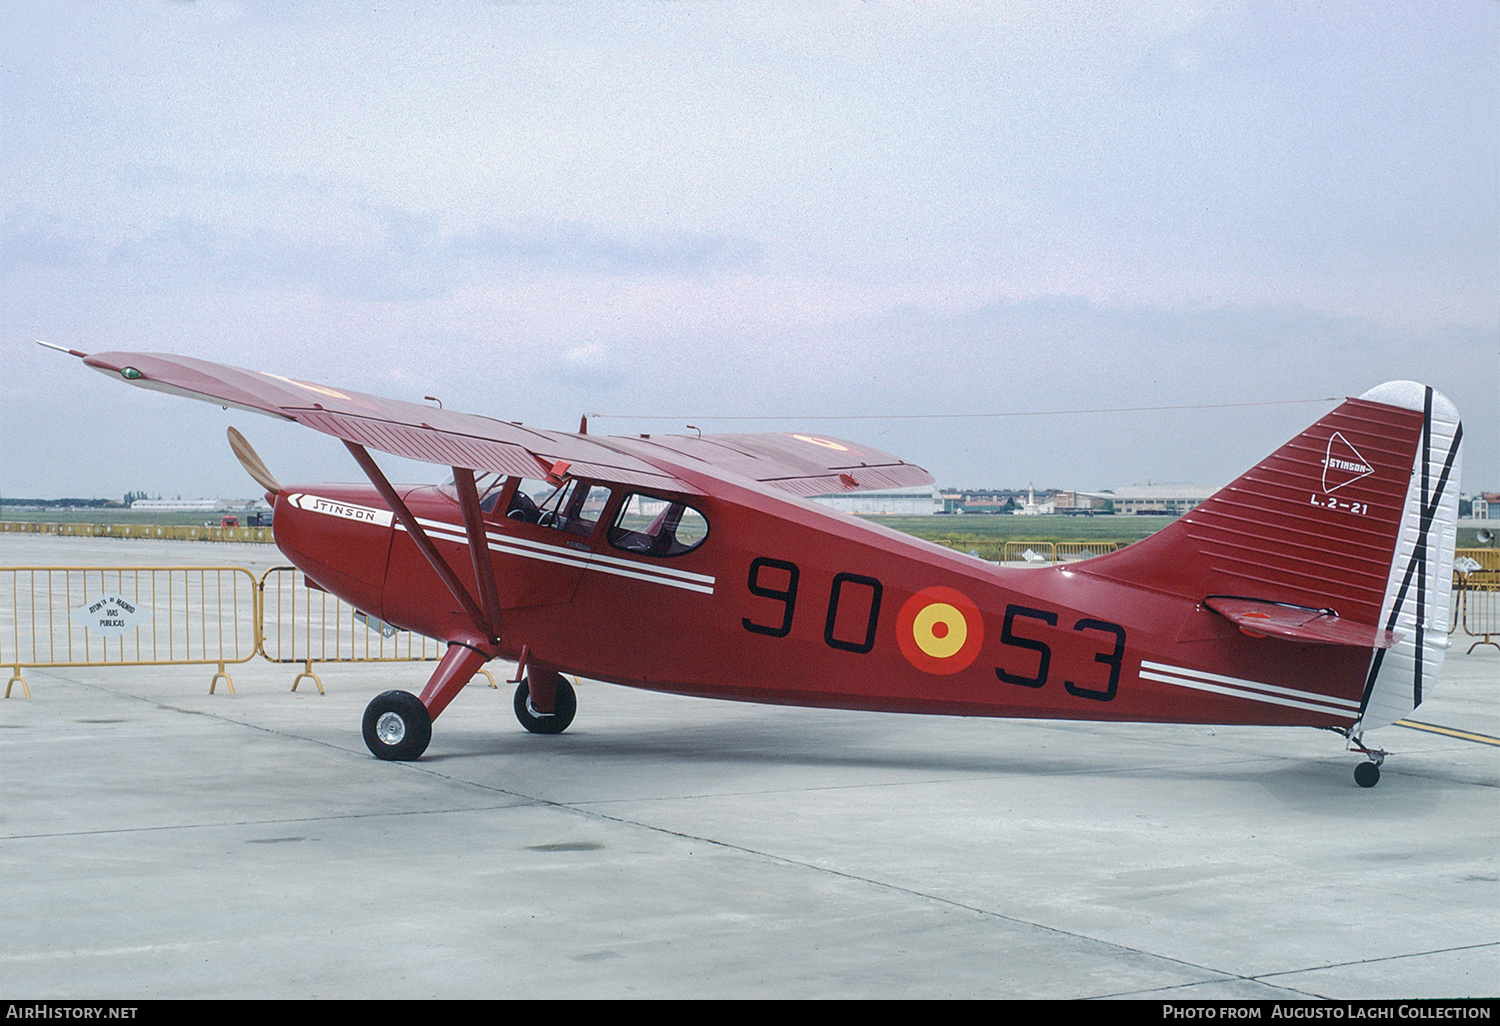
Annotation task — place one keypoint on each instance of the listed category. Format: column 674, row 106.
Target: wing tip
column 62, row 349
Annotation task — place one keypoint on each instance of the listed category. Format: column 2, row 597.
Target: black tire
column 397, row 726
column 563, row 709
column 1367, row 774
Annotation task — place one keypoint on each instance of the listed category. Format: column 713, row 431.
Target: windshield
column 488, row 485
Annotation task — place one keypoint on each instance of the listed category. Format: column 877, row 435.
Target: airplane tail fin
column 1343, row 537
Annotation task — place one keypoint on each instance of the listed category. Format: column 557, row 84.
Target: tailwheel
column 1367, row 774
column 564, row 705
column 397, row 726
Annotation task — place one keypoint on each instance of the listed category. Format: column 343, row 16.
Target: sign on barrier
column 127, row 616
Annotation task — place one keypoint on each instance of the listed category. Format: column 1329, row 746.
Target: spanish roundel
column 939, row 630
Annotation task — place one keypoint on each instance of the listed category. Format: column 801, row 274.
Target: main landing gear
column 397, row 726
column 564, row 702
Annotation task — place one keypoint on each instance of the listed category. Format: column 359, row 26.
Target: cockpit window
column 657, row 527
column 574, row 506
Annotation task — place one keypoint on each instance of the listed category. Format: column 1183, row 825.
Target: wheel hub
column 390, row 728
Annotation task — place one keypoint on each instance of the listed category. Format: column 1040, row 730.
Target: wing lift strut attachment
column 397, row 724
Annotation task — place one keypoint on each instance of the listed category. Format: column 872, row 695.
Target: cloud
column 786, row 209
column 403, row 257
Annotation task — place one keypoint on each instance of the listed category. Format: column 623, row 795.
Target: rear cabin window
column 654, row 526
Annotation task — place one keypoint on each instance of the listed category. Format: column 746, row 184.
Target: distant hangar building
column 191, row 505
column 181, row 505
column 1157, row 500
column 919, row 501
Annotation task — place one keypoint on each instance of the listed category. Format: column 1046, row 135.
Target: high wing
column 405, row 429
column 800, row 464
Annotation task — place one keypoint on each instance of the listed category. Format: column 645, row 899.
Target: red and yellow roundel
column 939, row 630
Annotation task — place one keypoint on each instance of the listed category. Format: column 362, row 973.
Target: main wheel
column 397, row 726
column 564, row 707
column 1367, row 774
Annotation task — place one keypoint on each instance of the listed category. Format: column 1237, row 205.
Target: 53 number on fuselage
column 777, row 580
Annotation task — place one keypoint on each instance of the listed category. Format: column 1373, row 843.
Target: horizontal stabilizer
column 1299, row 623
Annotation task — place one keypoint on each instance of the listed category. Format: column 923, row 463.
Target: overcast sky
column 694, row 212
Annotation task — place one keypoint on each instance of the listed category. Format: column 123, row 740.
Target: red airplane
column 1313, row 591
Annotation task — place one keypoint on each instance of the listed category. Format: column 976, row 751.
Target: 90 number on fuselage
column 853, row 614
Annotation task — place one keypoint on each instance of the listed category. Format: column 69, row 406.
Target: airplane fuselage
column 788, row 602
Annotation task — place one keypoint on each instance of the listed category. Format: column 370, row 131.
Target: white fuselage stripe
column 595, row 558
column 581, row 560
column 1254, row 691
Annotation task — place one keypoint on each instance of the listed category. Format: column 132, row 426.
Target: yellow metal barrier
column 137, row 616
column 1040, row 551
column 1068, row 552
column 165, row 616
column 1030, row 552
column 984, row 550
column 1481, row 607
column 1488, row 559
column 169, row 532
column 127, row 616
column 305, row 625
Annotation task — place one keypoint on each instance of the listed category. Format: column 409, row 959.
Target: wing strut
column 479, row 546
column 482, row 624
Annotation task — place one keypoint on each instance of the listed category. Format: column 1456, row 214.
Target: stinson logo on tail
column 1342, row 464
